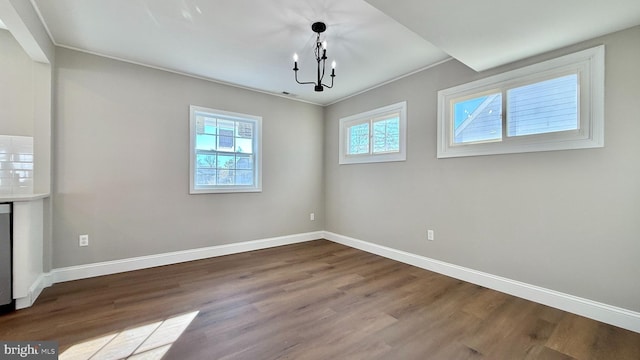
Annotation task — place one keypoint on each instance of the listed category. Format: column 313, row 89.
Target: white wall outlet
column 312, row 216
column 83, row 240
column 430, row 235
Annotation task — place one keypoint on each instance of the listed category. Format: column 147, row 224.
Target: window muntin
column 225, row 153
column 554, row 105
column 378, row 135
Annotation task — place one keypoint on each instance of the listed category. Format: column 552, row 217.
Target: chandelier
column 321, row 59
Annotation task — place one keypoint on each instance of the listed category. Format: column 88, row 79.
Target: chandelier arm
column 303, row 83
column 327, row 86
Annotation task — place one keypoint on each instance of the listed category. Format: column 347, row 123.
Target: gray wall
column 16, row 87
column 121, row 164
column 564, row 220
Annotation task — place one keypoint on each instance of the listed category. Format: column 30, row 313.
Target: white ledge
column 22, row 197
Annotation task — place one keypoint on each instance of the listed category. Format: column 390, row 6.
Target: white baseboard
column 34, row 291
column 143, row 262
column 613, row 315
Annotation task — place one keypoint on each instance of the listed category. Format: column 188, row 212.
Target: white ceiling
column 250, row 43
column 490, row 33
column 245, row 42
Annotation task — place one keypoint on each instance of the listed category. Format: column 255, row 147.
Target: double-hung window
column 554, row 105
column 374, row 136
column 224, row 152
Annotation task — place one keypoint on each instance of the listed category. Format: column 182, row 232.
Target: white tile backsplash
column 16, row 164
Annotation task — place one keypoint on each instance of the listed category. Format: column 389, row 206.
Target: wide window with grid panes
column 225, row 151
column 378, row 135
column 554, row 105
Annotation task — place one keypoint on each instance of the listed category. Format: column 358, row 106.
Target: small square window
column 386, row 135
column 375, row 136
column 358, row 139
column 478, row 119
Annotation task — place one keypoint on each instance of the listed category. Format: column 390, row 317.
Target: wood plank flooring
column 314, row 300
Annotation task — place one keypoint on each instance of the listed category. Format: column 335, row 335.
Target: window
column 554, row 105
column 225, row 151
column 374, row 136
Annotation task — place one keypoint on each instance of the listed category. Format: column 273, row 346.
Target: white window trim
column 589, row 64
column 257, row 153
column 401, row 155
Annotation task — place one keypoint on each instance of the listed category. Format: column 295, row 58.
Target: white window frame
column 257, row 151
column 370, row 117
column 588, row 64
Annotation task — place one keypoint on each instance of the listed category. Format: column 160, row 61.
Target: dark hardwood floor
column 315, row 300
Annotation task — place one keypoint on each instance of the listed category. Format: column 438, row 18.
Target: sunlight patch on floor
column 145, row 342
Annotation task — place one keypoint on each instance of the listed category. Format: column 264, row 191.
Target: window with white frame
column 224, row 151
column 554, row 105
column 378, row 135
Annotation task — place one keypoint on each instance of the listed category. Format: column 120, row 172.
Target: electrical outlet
column 312, row 216
column 430, row 235
column 83, row 240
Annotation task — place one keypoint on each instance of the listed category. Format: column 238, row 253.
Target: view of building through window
column 538, row 108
